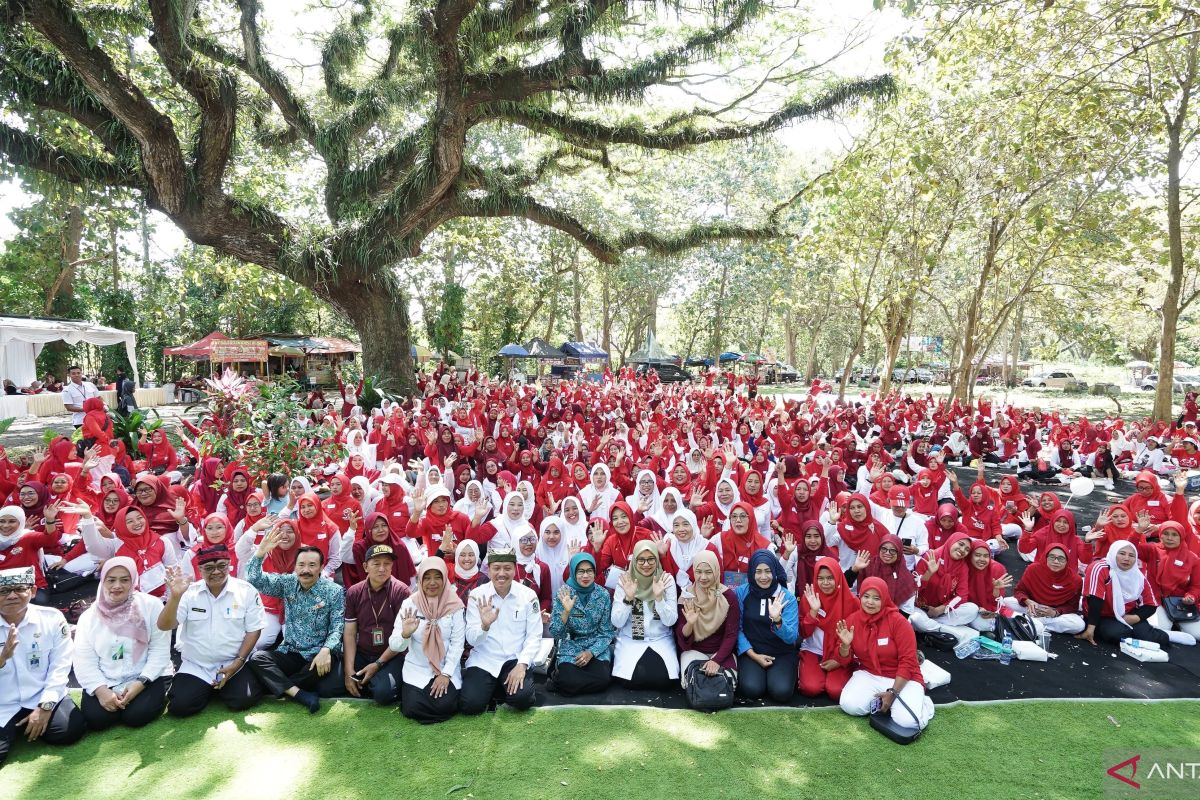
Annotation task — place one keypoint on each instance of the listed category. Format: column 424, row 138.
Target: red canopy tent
column 198, row 350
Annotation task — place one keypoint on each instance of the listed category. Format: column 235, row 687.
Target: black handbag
column 1019, row 626
column 900, row 734
column 709, row 692
column 940, row 640
column 59, row 581
column 1179, row 611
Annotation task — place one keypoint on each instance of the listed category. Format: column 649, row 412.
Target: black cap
column 376, row 550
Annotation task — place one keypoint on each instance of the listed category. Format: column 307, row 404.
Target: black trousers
column 479, row 688
column 190, row 695
column 384, row 687
column 420, row 706
column 144, row 709
column 570, row 680
column 777, row 683
column 1113, row 631
column 650, row 673
column 66, row 726
column 278, row 672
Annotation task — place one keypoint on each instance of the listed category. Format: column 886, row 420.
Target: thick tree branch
column 27, row 150
column 215, row 94
column 161, row 156
column 587, row 133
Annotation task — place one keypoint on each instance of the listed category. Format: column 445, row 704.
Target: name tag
column 762, row 608
column 321, row 535
column 1152, row 502
column 1178, row 563
column 882, row 642
column 199, row 610
column 1055, row 586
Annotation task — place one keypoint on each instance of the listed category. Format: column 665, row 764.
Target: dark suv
column 667, row 373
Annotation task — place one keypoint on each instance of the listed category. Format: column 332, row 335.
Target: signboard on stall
column 254, row 350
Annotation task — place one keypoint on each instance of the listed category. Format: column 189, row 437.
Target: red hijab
column 806, row 559
column 403, row 568
column 1050, row 588
column 838, row 605
column 981, row 589
column 899, row 580
column 864, row 535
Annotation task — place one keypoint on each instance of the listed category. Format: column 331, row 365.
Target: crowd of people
column 623, row 533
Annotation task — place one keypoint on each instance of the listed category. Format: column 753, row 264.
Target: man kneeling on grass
column 220, row 619
column 504, row 628
column 307, row 664
column 35, row 660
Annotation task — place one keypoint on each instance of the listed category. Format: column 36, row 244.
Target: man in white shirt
column 35, row 660
column 504, row 628
column 76, row 391
column 220, row 619
column 906, row 524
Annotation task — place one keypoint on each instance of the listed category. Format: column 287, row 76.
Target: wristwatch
column 47, row 706
column 144, row 680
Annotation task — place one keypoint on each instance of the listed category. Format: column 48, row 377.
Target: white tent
column 22, row 339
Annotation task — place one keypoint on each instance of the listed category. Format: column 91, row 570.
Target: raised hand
column 835, row 514
column 268, row 543
column 596, row 534
column 845, row 635
column 789, row 544
column 409, row 623
column 659, row 586
column 1102, row 520
column 690, row 614
column 1001, row 584
column 697, row 496
column 1143, row 522
column 1027, row 519
column 931, row 564
column 813, row 600
column 628, row 586
column 487, row 613
column 177, row 582
column 775, row 607
column 10, row 644
column 862, row 560
column 567, row 598
column 660, row 542
column 179, row 512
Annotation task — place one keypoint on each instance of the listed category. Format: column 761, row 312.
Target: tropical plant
column 127, row 427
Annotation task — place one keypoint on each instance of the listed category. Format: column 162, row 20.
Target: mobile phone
column 906, row 542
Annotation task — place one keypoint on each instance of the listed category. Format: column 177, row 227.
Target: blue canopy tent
column 730, row 356
column 584, row 351
column 698, row 362
column 513, row 351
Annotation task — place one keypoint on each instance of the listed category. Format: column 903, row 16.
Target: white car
column 1056, row 379
column 1182, row 383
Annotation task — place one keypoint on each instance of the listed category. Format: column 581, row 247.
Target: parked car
column 1056, row 379
column 1182, row 383
column 779, row 372
column 567, row 372
column 911, row 375
column 667, row 373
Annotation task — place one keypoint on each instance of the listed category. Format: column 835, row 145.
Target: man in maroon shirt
column 372, row 606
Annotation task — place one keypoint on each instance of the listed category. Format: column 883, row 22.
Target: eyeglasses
column 5, row 591
column 215, row 566
column 739, row 516
column 891, row 550
column 647, row 560
column 526, row 540
column 586, row 571
column 1058, row 559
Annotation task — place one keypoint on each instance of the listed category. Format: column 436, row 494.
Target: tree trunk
column 790, row 334
column 810, row 364
column 61, row 294
column 379, row 313
column 114, row 254
column 1163, row 399
column 576, row 296
column 855, row 350
column 607, row 313
column 963, row 383
column 1014, row 349
column 719, row 317
column 896, row 322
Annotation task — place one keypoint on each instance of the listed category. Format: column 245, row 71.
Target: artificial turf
column 357, row 750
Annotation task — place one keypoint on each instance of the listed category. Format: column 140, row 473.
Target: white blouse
column 417, row 671
column 657, row 634
column 104, row 659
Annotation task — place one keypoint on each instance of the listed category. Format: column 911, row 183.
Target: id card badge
column 377, row 637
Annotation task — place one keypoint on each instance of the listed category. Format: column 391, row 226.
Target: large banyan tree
column 165, row 97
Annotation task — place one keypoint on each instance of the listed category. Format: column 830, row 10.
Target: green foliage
column 128, row 427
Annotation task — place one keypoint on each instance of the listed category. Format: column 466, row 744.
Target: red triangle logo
column 1114, row 771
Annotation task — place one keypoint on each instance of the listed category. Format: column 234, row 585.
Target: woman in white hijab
column 474, row 503
column 553, row 550
column 645, row 494
column 530, row 494
column 574, row 522
column 599, row 495
column 1118, row 600
column 683, row 543
column 669, row 503
column 725, row 496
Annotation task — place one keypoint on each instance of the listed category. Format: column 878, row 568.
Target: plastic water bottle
column 1006, row 650
column 967, row 648
column 1142, row 643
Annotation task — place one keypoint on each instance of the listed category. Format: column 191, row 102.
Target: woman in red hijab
column 280, row 561
column 97, row 427
column 888, row 564
column 204, row 496
column 341, row 508
column 878, row 641
column 734, row 546
column 823, row 603
column 989, row 581
column 315, row 529
column 804, row 553
column 1049, row 592
column 238, row 486
column 160, row 454
column 942, row 599
column 1174, row 572
column 215, row 529
column 944, row 525
column 857, row 530
column 152, row 497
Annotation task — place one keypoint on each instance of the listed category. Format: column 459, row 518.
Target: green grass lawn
column 355, row 750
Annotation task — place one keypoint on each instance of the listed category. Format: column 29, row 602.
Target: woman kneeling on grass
column 881, row 642
column 122, row 659
column 770, row 627
column 707, row 630
column 432, row 619
column 581, row 623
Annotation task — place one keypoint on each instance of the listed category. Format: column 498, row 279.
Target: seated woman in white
column 122, row 660
column 643, row 613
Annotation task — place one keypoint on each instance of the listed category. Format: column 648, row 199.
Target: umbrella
column 1182, row 365
column 1139, row 365
column 513, row 351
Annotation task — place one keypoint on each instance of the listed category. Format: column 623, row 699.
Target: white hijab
column 506, row 526
column 1126, row 584
column 557, row 557
column 664, row 518
column 577, row 533
column 17, row 513
column 468, row 506
column 682, row 553
column 635, row 500
column 607, row 494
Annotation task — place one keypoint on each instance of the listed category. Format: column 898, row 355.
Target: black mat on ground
column 1079, row 671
